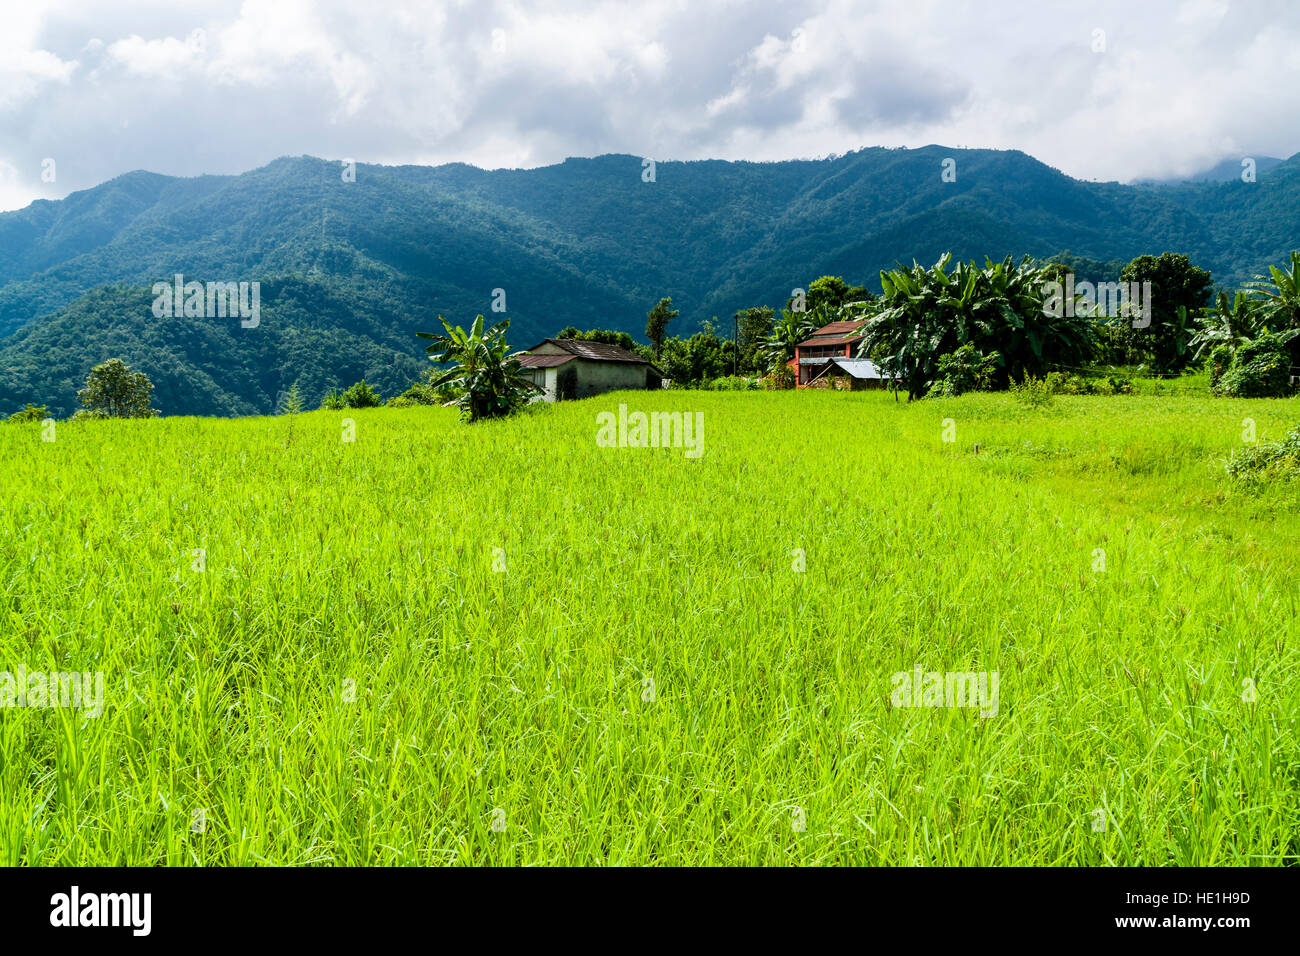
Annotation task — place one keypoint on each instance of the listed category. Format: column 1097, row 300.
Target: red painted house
column 837, row 340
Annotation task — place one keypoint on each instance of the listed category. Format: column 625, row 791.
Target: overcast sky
column 1102, row 90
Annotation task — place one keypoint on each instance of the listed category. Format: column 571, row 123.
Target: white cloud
column 105, row 90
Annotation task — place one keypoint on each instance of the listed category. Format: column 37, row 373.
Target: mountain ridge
column 584, row 242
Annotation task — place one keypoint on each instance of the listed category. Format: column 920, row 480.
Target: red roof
column 836, row 333
column 839, row 328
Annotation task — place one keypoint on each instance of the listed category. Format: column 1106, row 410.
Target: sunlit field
column 501, row 643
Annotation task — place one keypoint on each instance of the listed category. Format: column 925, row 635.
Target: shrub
column 424, row 392
column 359, row 395
column 32, row 413
column 362, row 395
column 1259, row 369
column 1280, row 459
column 779, row 379
column 1061, row 383
column 729, row 383
column 1219, row 362
column 1033, row 392
column 966, row 369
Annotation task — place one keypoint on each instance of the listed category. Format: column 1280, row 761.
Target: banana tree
column 1278, row 295
column 924, row 314
column 489, row 381
column 1228, row 323
column 787, row 332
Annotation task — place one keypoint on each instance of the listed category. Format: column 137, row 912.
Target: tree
column 607, row 336
column 489, row 380
column 752, row 327
column 114, row 391
column 1278, row 301
column 1175, row 283
column 925, row 314
column 292, row 403
column 833, row 291
column 1228, row 324
column 657, row 319
column 789, row 331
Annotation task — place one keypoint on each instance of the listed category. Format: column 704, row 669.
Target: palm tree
column 488, row 378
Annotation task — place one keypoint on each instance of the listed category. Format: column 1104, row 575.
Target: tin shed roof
column 543, row 361
column 597, row 351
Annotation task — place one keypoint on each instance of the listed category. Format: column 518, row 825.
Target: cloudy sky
column 1101, row 90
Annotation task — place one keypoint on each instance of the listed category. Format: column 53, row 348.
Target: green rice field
column 505, row 644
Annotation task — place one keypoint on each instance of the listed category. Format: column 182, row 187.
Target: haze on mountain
column 350, row 270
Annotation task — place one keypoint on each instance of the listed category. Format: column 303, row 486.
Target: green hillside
column 350, row 270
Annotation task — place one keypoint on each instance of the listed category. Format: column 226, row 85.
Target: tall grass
column 352, row 680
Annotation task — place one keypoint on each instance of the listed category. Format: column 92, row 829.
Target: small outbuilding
column 573, row 368
column 857, row 373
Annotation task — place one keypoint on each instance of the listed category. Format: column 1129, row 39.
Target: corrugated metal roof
column 836, row 333
column 596, row 351
column 857, row 367
column 527, row 360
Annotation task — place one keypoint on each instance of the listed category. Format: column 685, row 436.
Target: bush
column 779, row 379
column 964, row 370
column 32, row 413
column 1072, row 384
column 729, row 383
column 423, row 393
column 1034, row 392
column 1259, row 369
column 1115, row 386
column 359, row 395
column 362, row 395
column 1280, row 459
column 1220, row 361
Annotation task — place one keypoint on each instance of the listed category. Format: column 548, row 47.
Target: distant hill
column 1227, row 171
column 351, row 270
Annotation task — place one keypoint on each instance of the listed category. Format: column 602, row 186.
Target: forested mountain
column 349, row 271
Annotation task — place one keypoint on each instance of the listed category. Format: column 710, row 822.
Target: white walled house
column 572, row 368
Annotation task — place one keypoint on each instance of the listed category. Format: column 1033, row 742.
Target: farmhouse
column 572, row 368
column 838, row 340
